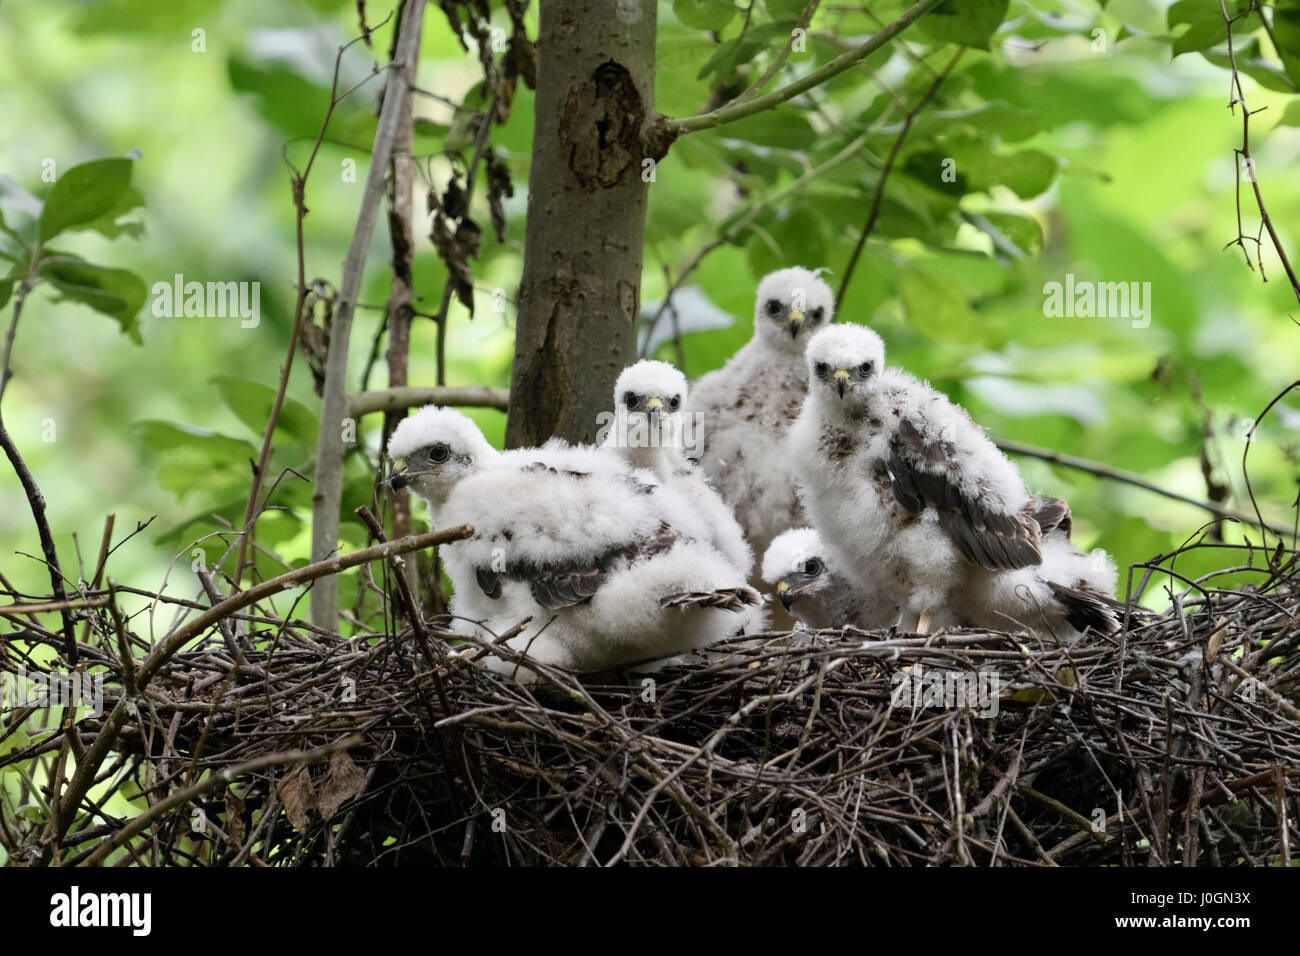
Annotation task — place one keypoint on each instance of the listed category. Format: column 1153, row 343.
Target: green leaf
column 1201, row 36
column 704, row 14
column 295, row 104
column 936, row 306
column 1021, row 231
column 1008, row 122
column 116, row 293
column 6, row 290
column 167, row 437
column 932, row 168
column 251, row 402
column 968, row 22
column 172, row 17
column 1194, row 11
column 1249, row 61
column 427, row 127
column 1286, row 34
column 1028, row 173
column 785, row 9
column 108, row 224
column 83, row 194
column 728, row 54
column 1291, row 115
column 198, row 459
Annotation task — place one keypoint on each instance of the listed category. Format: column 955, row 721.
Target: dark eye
column 865, row 368
column 630, row 400
column 674, row 403
column 812, row 567
column 773, row 307
column 817, row 313
column 822, row 369
column 439, row 453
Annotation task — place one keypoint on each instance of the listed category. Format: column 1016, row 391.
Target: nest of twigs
column 268, row 742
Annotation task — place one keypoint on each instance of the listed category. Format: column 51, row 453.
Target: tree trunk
column 581, row 288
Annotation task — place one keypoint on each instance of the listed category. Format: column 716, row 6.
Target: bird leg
column 914, row 622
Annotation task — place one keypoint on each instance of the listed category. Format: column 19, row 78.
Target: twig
column 805, row 17
column 740, row 223
column 328, row 494
column 181, row 797
column 1237, row 95
column 1127, row 478
column 298, row 184
column 731, row 113
column 873, row 216
column 398, row 399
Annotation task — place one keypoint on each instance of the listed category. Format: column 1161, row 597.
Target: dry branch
column 328, row 488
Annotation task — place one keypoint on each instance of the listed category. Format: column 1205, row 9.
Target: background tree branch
column 327, row 494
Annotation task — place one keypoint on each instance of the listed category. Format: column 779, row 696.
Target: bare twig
column 1236, row 95
column 398, row 399
column 328, row 494
column 877, row 200
column 740, row 110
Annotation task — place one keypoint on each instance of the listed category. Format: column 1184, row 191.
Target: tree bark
column 581, row 289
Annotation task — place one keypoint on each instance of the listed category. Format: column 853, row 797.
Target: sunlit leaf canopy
column 1071, row 139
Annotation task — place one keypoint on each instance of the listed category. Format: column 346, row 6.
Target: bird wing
column 571, row 583
column 1052, row 514
column 926, row 474
column 1086, row 608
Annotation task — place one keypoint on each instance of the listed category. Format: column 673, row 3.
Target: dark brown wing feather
column 1085, row 608
column 924, row 475
column 1052, row 514
column 560, row 586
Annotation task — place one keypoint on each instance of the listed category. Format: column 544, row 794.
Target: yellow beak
column 782, row 587
column 841, row 380
column 654, row 404
column 397, row 480
column 795, row 323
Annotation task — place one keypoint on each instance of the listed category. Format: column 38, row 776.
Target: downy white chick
column 598, row 563
column 799, row 568
column 574, row 538
column 903, row 486
column 747, row 406
column 652, row 430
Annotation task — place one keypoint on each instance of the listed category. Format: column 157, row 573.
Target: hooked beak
column 785, row 594
column 654, row 406
column 398, row 479
column 796, row 323
column 841, row 380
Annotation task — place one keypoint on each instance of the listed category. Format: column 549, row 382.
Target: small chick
column 747, row 407
column 651, row 429
column 799, row 568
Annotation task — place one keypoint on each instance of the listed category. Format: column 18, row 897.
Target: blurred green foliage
column 1078, row 138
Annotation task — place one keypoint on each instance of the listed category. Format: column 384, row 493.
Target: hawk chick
column 747, row 406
